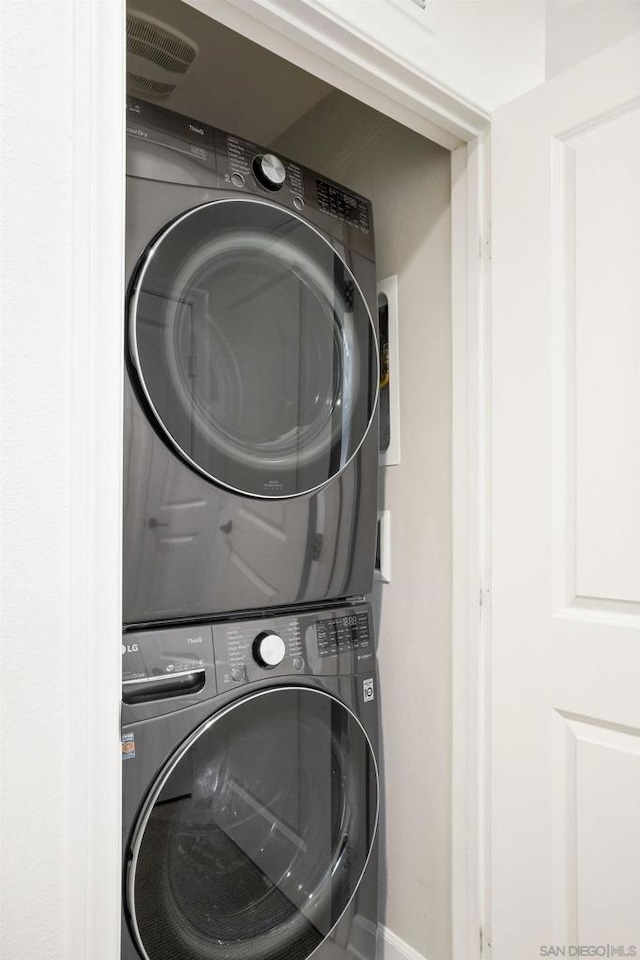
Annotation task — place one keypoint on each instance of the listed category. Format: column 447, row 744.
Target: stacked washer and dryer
column 250, row 709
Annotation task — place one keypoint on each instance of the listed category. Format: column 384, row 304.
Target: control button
column 269, row 171
column 298, row 203
column 237, row 674
column 237, row 180
column 268, row 649
column 298, row 663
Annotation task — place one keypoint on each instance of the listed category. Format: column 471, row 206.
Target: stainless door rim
column 173, row 761
column 147, row 256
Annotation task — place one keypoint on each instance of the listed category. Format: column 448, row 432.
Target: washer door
column 256, row 834
column 254, row 347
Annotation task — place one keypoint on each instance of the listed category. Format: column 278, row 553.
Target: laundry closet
column 510, row 808
column 237, row 86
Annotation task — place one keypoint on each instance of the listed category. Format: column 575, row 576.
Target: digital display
column 345, row 206
column 342, row 634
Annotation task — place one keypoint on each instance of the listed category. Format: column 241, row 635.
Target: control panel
column 226, row 160
column 253, row 649
column 339, row 203
column 247, row 162
column 342, row 634
column 177, row 660
column 321, row 643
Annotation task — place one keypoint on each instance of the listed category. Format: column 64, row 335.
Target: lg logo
column 129, row 648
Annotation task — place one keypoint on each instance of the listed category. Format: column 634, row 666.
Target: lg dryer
column 252, row 378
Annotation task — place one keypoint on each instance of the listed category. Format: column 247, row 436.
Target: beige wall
column 408, row 180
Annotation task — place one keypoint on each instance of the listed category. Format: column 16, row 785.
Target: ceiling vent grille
column 148, row 87
column 158, row 43
column 157, row 56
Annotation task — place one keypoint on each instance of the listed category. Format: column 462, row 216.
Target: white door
column 565, row 649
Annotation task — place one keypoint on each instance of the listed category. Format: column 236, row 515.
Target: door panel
column 565, row 657
column 602, row 209
column 254, row 348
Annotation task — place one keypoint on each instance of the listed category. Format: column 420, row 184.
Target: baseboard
column 362, row 943
column 391, row 947
column 362, row 939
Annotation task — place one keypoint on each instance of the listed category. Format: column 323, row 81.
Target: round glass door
column 255, row 836
column 254, row 348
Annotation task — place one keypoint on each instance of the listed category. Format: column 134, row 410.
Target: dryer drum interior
column 255, row 835
column 253, row 347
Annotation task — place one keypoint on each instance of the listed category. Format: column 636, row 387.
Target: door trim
column 332, row 51
column 471, row 258
column 93, row 667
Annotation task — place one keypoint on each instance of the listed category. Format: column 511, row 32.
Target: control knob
column 269, row 171
column 268, row 649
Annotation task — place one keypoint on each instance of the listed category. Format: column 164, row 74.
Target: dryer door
column 254, row 348
column 256, row 834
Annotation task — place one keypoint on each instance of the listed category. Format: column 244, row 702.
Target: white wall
column 408, row 179
column 577, row 29
column 487, row 51
column 60, row 412
column 36, row 228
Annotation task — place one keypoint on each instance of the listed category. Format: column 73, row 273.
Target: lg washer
column 251, row 789
column 251, row 445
